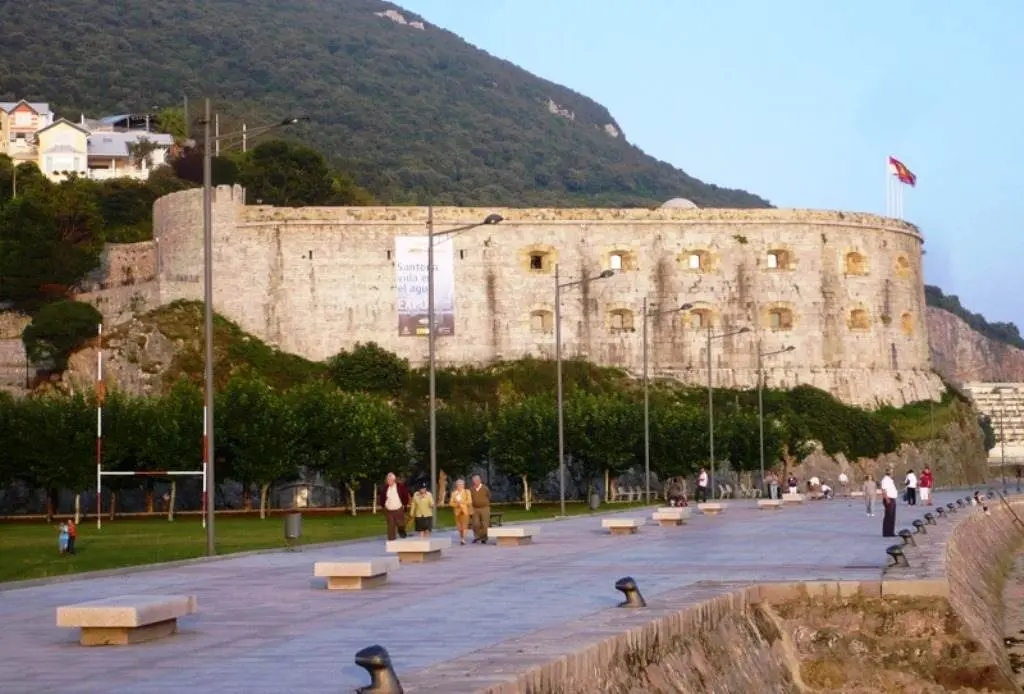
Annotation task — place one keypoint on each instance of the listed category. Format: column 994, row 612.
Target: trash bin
column 595, row 501
column 292, row 526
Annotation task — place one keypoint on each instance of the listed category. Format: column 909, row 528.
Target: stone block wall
column 844, row 289
column 13, row 366
column 125, row 284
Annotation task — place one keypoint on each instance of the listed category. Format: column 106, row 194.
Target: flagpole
column 888, row 189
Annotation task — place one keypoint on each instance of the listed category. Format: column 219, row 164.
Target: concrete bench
column 355, row 574
column 711, row 508
column 769, row 504
column 622, row 526
column 513, row 535
column 857, row 494
column 126, row 619
column 418, row 549
column 797, row 498
column 668, row 516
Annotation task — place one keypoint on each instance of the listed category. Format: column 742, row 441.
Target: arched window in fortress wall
column 542, row 321
column 620, row 320
column 856, row 264
column 903, row 269
column 859, row 320
column 620, row 260
column 699, row 318
column 907, row 323
column 779, row 259
column 695, row 260
column 538, row 259
column 780, row 318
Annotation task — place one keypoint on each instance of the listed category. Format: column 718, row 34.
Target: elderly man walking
column 480, row 498
column 394, row 497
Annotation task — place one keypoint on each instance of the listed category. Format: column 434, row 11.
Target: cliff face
column 961, row 354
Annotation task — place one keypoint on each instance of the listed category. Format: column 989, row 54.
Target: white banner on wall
column 412, row 282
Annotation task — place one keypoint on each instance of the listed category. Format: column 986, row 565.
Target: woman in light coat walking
column 870, row 490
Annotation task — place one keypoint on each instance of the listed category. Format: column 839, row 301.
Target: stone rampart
column 125, row 284
column 845, row 290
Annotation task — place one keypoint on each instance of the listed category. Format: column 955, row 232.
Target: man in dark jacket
column 394, row 497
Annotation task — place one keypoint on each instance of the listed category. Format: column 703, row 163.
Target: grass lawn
column 29, row 550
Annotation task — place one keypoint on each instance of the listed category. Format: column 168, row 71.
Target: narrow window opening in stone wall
column 773, row 261
column 389, row 255
column 615, row 261
column 700, row 318
column 895, row 358
column 856, row 264
column 903, row 267
column 536, row 261
column 542, row 321
column 780, row 319
column 311, row 254
column 621, row 320
column 859, row 319
column 778, row 260
column 695, row 261
column 907, row 324
column 462, row 255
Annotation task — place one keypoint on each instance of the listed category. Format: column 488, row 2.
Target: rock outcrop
column 963, row 355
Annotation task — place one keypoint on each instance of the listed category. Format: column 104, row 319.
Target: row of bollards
column 383, row 680
column 896, row 551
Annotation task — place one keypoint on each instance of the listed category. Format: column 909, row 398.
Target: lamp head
column 686, row 307
column 606, row 274
column 743, row 330
column 789, row 349
column 493, row 219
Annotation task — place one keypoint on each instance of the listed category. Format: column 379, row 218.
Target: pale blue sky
column 802, row 101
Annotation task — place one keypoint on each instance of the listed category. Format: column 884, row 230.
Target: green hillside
column 416, row 115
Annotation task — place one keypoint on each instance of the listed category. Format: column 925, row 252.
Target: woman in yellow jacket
column 462, row 505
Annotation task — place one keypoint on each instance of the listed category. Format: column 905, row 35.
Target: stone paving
column 266, row 625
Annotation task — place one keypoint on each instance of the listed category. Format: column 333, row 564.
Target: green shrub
column 58, row 330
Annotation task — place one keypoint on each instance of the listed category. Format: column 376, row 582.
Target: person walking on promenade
column 462, row 505
column 423, row 511
column 911, row 482
column 72, row 535
column 792, row 484
column 394, row 497
column 843, row 481
column 889, row 495
column 927, row 482
column 702, row 486
column 480, row 498
column 870, row 489
column 62, row 537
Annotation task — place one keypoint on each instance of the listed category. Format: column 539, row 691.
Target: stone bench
column 418, row 549
column 622, row 526
column 857, row 494
column 126, row 619
column 513, row 536
column 770, row 504
column 797, row 498
column 711, row 508
column 668, row 516
column 355, row 574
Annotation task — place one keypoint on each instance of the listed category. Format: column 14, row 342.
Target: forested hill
column 415, row 113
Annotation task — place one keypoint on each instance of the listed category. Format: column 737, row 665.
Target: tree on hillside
column 58, row 329
column 285, row 174
column 602, row 432
column 523, row 441
column 172, row 121
column 368, row 368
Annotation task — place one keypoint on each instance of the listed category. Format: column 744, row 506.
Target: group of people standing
column 471, row 507
column 891, row 494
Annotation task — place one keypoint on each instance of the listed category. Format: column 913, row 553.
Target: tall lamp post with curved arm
column 647, row 400
column 559, row 286
column 711, row 399
column 432, row 334
column 760, row 394
column 208, row 449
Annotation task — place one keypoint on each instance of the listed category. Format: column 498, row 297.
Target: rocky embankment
column 962, row 354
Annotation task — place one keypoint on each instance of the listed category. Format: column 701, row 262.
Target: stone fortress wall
column 844, row 289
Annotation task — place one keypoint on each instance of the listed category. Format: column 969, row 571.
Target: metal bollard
column 960, row 503
column 627, row 586
column 941, row 511
column 908, row 537
column 951, row 507
column 919, row 526
column 898, row 557
column 377, row 663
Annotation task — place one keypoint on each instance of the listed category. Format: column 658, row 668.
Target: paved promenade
column 266, row 625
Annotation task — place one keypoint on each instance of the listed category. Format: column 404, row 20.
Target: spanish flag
column 901, row 172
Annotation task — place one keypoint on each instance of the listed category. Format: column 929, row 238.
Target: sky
column 803, row 101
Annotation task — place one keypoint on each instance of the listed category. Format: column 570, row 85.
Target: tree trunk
column 527, row 499
column 113, row 503
column 374, row 503
column 78, row 508
column 246, row 497
column 170, row 502
column 150, row 496
column 442, row 488
column 607, row 485
column 352, row 498
column 51, row 504
column 264, row 492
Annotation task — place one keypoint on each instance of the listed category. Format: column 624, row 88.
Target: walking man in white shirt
column 911, row 483
column 889, row 496
column 702, row 486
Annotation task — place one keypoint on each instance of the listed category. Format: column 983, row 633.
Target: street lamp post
column 431, row 336
column 760, row 396
column 558, row 374
column 711, row 401
column 647, row 402
column 208, row 448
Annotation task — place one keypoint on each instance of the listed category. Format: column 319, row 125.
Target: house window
column 615, row 261
column 859, row 319
column 780, row 319
column 542, row 321
column 621, row 320
column 856, row 264
column 536, row 261
column 907, row 323
column 700, row 318
column 778, row 260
